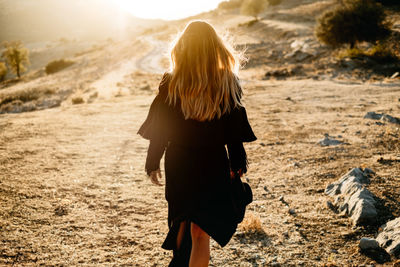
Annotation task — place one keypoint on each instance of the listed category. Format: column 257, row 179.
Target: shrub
column 351, row 22
column 16, row 56
column 57, row 65
column 3, row 71
column 382, row 54
column 251, row 224
column 231, row 4
column 24, row 95
column 77, row 100
column 352, row 53
column 252, row 7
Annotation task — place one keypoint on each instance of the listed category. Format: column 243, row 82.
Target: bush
column 3, row 71
column 352, row 53
column 231, row 4
column 57, row 65
column 351, row 22
column 381, row 53
column 252, row 7
column 77, row 100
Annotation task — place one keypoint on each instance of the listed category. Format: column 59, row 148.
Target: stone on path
column 368, row 243
column 329, row 141
column 352, row 198
column 389, row 237
column 381, row 116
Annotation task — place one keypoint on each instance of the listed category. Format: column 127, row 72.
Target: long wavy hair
column 204, row 73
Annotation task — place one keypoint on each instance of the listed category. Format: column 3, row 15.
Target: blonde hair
column 204, row 73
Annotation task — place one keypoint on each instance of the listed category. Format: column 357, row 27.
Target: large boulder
column 389, row 237
column 352, row 198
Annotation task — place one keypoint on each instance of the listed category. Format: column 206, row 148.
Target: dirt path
column 151, row 62
column 147, row 61
column 73, row 189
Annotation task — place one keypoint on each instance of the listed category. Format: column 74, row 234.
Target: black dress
column 197, row 167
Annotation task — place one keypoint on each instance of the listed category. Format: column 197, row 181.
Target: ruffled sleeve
column 238, row 128
column 155, row 125
column 155, row 129
column 237, row 157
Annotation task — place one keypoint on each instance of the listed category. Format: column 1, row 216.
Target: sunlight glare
column 169, row 10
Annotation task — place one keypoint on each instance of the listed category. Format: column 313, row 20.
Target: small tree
column 3, row 71
column 16, row 56
column 353, row 21
column 252, row 7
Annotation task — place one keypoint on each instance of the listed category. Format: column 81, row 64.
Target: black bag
column 241, row 196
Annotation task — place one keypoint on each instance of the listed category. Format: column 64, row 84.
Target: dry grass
column 379, row 53
column 251, row 224
column 25, row 95
column 23, row 100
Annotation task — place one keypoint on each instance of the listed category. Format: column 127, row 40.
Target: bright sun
column 166, row 9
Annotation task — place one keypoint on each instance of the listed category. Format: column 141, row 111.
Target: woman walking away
column 197, row 112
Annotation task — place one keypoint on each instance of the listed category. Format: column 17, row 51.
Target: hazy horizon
column 47, row 20
column 167, row 10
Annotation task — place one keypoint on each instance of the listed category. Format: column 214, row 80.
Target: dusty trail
column 74, row 193
column 151, row 61
column 111, row 84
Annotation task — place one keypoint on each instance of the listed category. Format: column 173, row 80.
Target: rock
column 352, row 198
column 329, row 141
column 332, row 207
column 368, row 243
column 298, row 55
column 61, row 210
column 381, row 116
column 145, row 87
column 396, row 74
column 373, row 115
column 50, row 103
column 299, row 44
column 348, row 63
column 389, row 237
column 283, row 73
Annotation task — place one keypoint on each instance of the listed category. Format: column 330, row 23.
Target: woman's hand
column 155, row 176
column 240, row 172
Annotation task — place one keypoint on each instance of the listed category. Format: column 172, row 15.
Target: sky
column 166, row 9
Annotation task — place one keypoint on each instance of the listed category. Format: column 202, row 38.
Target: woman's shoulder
column 163, row 87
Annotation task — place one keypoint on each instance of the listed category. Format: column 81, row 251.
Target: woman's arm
column 237, row 157
column 154, row 155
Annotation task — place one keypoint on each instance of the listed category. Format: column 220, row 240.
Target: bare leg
column 200, row 254
column 181, row 232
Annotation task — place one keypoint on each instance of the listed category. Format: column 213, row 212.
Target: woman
column 197, row 112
